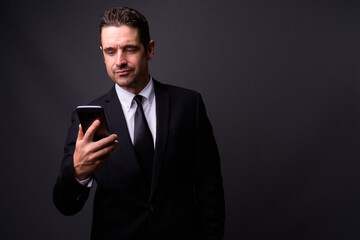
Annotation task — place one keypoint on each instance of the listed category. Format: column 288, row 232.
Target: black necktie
column 143, row 141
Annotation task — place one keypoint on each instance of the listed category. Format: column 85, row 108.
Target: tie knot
column 138, row 99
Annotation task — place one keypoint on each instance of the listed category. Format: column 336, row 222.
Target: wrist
column 81, row 177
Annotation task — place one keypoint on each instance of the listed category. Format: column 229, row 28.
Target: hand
column 90, row 155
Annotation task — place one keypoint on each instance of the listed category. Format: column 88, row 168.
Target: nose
column 121, row 59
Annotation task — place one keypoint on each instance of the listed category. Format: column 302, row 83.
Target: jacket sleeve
column 209, row 193
column 69, row 195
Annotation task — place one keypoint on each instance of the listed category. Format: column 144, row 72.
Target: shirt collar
column 126, row 98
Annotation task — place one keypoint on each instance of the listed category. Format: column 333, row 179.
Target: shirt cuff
column 87, row 182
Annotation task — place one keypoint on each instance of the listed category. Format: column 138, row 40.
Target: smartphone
column 88, row 114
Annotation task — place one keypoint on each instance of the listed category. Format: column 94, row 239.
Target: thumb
column 80, row 133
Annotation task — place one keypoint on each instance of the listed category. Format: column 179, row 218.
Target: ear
column 101, row 49
column 150, row 50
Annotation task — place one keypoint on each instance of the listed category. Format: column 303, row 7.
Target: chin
column 122, row 80
column 123, row 83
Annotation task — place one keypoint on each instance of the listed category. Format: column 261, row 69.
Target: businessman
column 158, row 174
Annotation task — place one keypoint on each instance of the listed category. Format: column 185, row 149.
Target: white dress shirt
column 129, row 106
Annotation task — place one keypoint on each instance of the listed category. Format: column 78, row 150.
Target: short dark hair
column 129, row 17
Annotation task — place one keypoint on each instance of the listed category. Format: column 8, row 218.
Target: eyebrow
column 126, row 46
column 108, row 49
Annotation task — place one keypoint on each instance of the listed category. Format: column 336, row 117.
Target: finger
column 80, row 133
column 104, row 153
column 115, row 143
column 104, row 142
column 90, row 132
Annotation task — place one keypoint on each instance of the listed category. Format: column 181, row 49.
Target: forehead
column 119, row 35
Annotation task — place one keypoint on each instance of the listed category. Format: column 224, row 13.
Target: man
column 170, row 190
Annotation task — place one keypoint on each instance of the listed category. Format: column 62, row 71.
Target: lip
column 123, row 72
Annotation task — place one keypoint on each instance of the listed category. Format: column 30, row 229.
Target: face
column 125, row 57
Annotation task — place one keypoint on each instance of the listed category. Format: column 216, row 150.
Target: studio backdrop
column 280, row 80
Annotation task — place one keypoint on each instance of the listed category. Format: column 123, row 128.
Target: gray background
column 280, row 80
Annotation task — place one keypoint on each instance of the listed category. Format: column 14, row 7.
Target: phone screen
column 88, row 114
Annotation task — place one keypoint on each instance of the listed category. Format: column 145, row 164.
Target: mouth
column 123, row 72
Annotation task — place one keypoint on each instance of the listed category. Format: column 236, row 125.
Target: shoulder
column 176, row 92
column 104, row 98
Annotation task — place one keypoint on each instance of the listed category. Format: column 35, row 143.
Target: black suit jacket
column 186, row 199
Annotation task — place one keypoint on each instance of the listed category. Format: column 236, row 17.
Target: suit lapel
column 162, row 123
column 117, row 124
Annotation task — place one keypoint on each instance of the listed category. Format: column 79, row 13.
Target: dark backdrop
column 280, row 80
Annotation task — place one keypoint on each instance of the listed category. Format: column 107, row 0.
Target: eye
column 131, row 50
column 110, row 51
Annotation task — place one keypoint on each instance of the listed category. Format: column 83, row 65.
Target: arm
column 82, row 157
column 209, row 193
